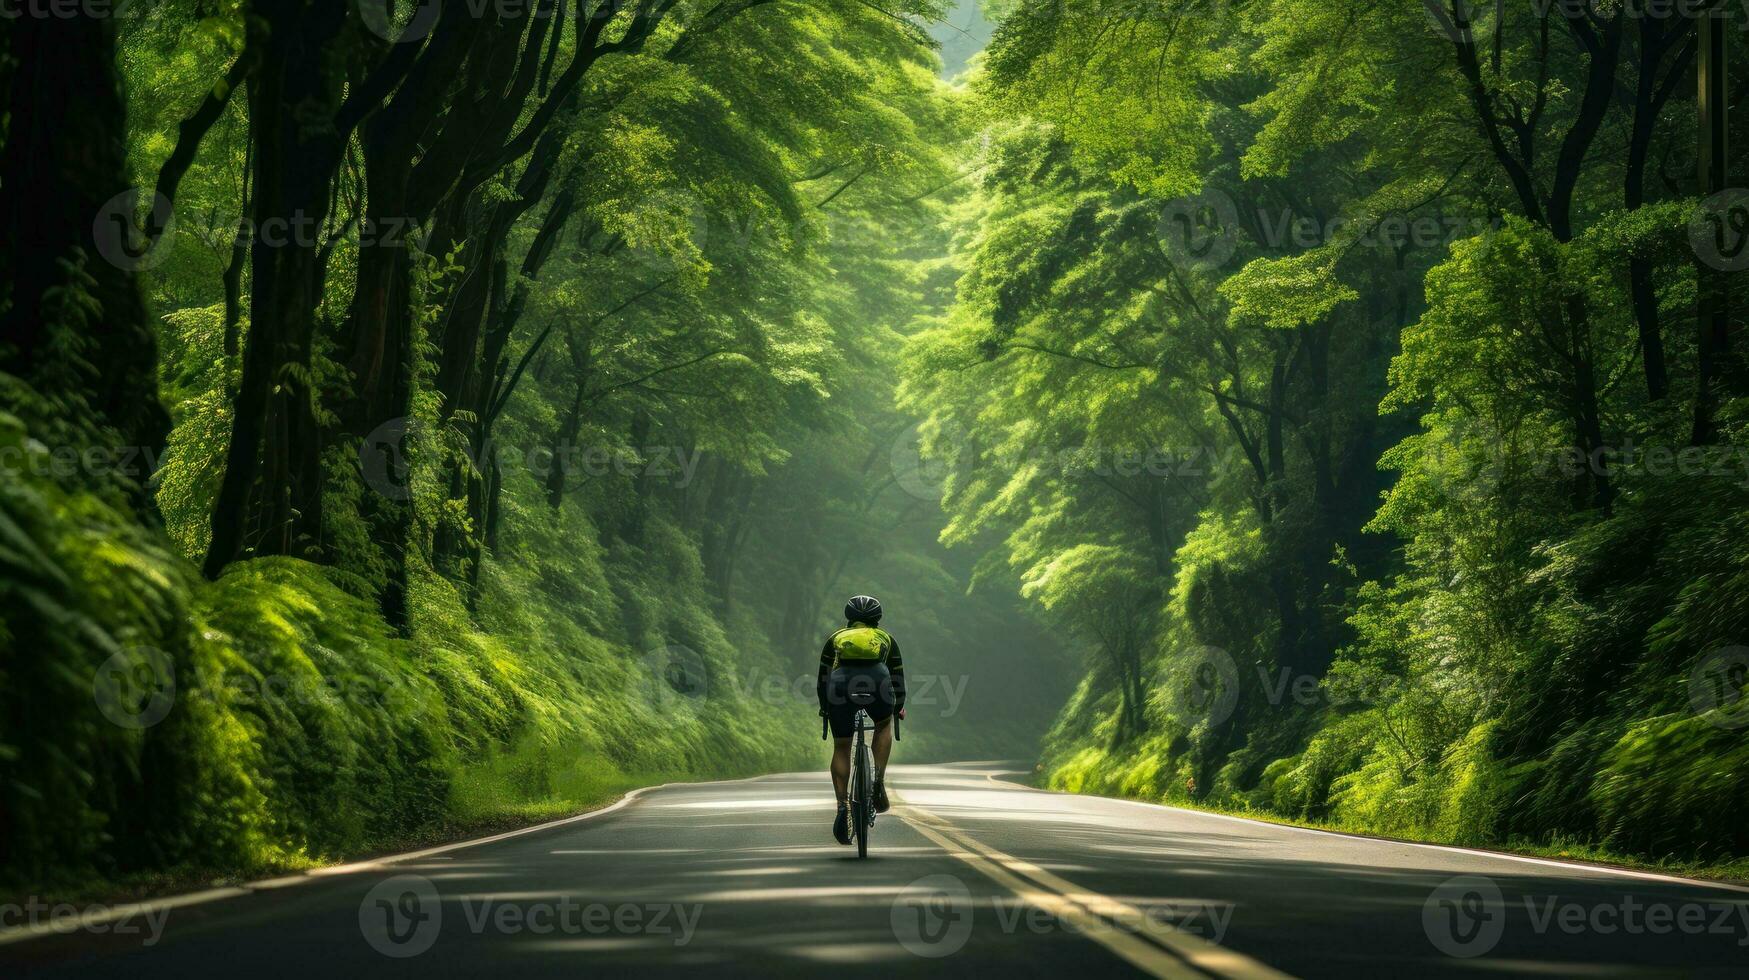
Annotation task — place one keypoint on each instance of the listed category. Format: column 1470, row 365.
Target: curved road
column 968, row 876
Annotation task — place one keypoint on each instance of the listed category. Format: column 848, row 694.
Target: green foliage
column 641, row 453
column 1401, row 290
column 1672, row 785
column 303, row 728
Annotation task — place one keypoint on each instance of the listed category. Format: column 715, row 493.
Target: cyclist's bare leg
column 841, row 766
column 883, row 745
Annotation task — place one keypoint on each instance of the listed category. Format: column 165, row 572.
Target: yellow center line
column 1116, row 925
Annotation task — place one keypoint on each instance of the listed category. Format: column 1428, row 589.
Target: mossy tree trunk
column 73, row 325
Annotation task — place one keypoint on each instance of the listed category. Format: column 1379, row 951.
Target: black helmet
column 863, row 609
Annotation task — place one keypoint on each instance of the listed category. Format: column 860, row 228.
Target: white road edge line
column 113, row 913
column 1599, row 869
column 1114, row 924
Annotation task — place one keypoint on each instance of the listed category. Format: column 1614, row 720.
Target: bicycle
column 862, row 811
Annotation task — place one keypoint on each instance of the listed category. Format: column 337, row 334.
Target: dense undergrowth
column 302, row 729
column 1606, row 741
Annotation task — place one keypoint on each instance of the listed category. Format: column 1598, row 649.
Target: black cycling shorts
column 849, row 685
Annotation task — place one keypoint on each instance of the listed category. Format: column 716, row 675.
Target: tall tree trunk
column 66, row 224
column 483, row 502
column 74, row 328
column 1650, row 97
column 270, row 500
column 1604, row 48
column 379, row 335
column 235, row 268
column 406, row 197
column 1719, row 369
column 723, row 520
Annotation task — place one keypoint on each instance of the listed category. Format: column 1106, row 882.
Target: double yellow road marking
column 1151, row 946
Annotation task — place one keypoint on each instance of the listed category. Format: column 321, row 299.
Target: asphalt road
column 968, row 877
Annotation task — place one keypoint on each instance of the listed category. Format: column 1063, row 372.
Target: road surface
column 969, row 876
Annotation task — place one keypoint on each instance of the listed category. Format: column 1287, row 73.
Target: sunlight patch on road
column 448, row 875
column 632, row 850
column 982, row 796
column 754, row 821
column 595, row 944
column 764, row 803
column 856, row 953
column 764, row 855
column 477, row 898
column 797, row 894
column 744, row 872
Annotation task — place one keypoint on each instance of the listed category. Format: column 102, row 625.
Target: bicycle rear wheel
column 861, row 797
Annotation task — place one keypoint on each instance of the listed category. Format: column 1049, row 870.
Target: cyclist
column 860, row 657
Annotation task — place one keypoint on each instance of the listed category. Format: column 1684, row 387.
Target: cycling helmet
column 863, row 609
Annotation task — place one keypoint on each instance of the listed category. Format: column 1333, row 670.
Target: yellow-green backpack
column 862, row 644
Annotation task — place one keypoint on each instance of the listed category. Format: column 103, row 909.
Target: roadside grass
column 1730, row 872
